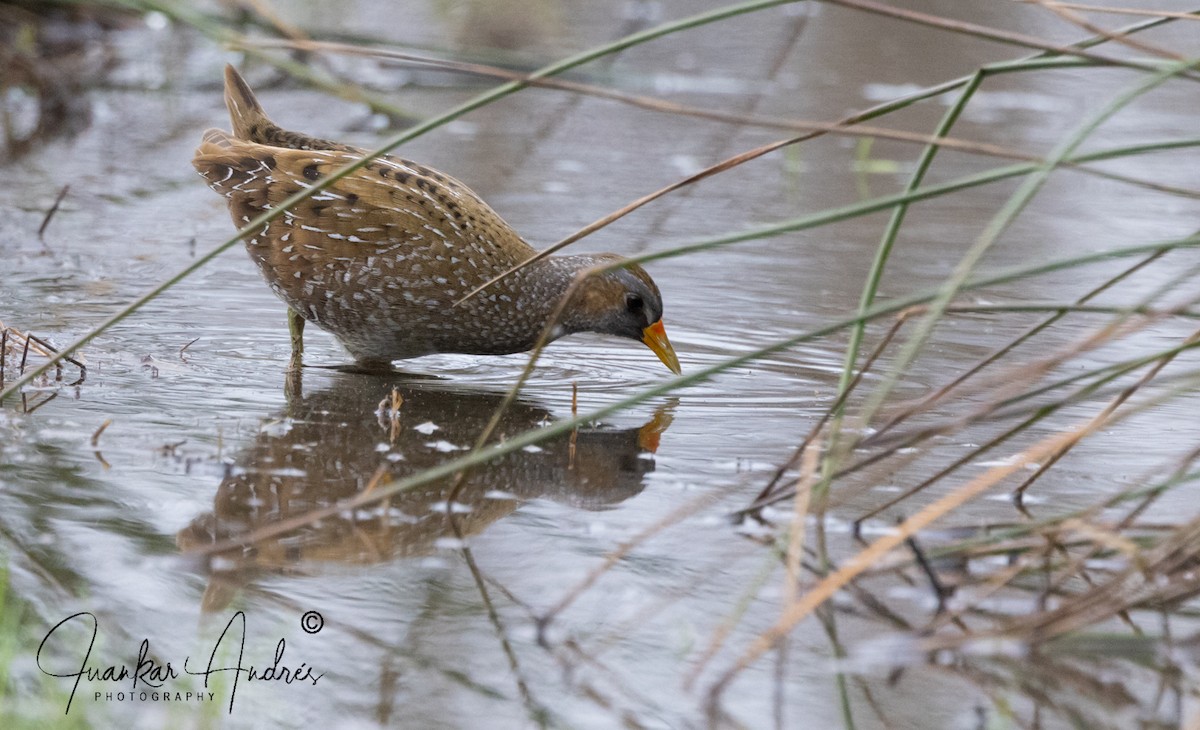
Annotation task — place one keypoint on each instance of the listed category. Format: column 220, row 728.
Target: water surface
column 429, row 624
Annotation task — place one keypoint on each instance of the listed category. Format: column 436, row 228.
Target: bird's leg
column 291, row 383
column 296, row 330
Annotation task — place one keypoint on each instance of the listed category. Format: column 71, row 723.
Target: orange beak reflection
column 655, row 338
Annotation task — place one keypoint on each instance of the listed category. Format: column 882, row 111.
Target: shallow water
column 426, row 626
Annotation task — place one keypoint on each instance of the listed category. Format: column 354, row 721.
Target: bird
column 383, row 257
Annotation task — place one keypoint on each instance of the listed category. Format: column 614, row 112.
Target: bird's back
column 389, row 246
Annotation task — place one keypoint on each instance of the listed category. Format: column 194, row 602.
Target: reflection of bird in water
column 325, row 448
column 380, row 257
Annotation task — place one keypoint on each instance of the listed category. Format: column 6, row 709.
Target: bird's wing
column 387, row 202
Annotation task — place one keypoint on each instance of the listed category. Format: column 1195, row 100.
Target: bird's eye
column 634, row 303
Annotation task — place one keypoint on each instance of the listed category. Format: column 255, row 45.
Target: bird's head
column 624, row 302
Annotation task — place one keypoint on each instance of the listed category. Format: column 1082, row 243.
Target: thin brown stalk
column 765, row 493
column 992, row 585
column 50, row 213
column 926, row 402
column 620, row 680
column 985, row 410
column 676, row 515
column 661, row 105
column 1154, row 578
column 982, row 31
column 263, row 9
column 533, row 707
column 1010, row 386
column 1069, row 15
column 826, row 588
column 1124, row 396
column 99, row 431
column 795, row 547
column 1177, row 474
column 183, row 349
column 534, row 353
column 1121, row 11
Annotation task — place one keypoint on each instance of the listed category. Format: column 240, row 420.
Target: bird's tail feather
column 252, row 124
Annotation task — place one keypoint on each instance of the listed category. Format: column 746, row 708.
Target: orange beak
column 655, row 338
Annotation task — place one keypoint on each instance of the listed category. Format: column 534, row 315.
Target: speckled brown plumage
column 379, row 257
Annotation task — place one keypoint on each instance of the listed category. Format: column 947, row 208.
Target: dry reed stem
column 1178, row 473
column 1155, row 579
column 927, row 401
column 1011, row 383
column 264, row 10
column 50, row 213
column 983, row 31
column 1120, row 11
column 183, row 349
column 765, row 496
column 1141, row 582
column 24, row 340
column 99, row 431
column 728, row 623
column 826, row 588
column 795, row 548
column 535, row 708
column 678, row 514
column 12, row 339
column 1008, row 380
column 1102, row 538
column 660, row 105
column 992, row 585
column 380, row 472
column 1078, row 20
column 1121, row 398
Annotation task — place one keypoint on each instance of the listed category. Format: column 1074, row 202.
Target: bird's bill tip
column 655, row 337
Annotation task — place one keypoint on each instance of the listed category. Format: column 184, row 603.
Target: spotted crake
column 380, row 257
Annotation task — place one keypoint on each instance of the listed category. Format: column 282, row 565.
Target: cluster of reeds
column 1093, row 572
column 22, row 352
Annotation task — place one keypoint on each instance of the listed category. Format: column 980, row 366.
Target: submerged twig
column 30, row 342
column 98, row 431
column 50, row 213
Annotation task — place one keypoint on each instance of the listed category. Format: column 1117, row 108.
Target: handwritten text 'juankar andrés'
column 148, row 678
